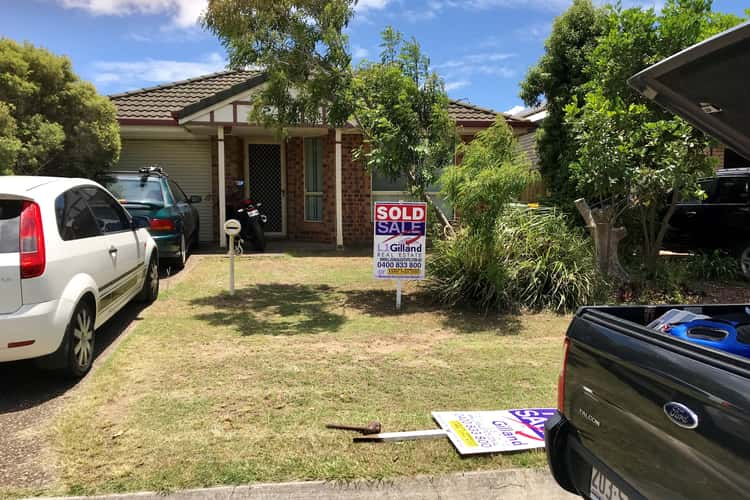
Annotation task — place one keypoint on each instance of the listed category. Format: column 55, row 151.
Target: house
column 310, row 186
column 725, row 157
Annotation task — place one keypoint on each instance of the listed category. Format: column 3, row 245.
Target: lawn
column 211, row 389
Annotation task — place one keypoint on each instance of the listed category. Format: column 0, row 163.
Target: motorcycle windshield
column 707, row 85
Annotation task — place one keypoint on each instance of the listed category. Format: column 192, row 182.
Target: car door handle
column 112, row 250
column 691, row 213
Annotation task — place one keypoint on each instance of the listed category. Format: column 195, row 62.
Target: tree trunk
column 655, row 245
column 600, row 223
column 427, row 198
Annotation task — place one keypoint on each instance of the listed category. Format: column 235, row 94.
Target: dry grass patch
column 212, row 389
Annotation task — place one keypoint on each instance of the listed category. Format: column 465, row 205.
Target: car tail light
column 162, row 225
column 561, row 378
column 31, row 241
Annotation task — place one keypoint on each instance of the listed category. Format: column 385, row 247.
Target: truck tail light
column 561, row 378
column 162, row 225
column 31, row 241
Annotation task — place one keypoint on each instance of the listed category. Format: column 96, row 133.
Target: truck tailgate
column 618, row 388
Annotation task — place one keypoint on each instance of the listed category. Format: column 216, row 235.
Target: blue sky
column 482, row 48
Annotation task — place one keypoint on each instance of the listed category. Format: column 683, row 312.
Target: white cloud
column 515, row 109
column 535, row 31
column 458, row 84
column 484, row 63
column 363, row 5
column 183, row 13
column 359, row 52
column 151, row 71
column 474, row 60
column 434, row 7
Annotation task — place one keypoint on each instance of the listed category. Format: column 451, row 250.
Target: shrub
column 535, row 261
column 716, row 265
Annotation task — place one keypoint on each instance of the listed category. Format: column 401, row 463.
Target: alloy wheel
column 183, row 250
column 153, row 276
column 83, row 333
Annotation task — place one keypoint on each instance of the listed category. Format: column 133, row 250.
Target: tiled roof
column 184, row 97
column 464, row 113
column 158, row 103
column 531, row 111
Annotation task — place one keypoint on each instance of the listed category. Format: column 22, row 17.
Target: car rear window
column 136, row 190
column 10, row 214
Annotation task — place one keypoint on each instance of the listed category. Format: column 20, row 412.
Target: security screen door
column 266, row 184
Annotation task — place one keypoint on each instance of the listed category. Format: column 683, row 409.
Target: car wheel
column 80, row 339
column 745, row 261
column 150, row 290
column 182, row 257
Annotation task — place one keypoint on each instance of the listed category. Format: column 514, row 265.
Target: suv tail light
column 31, row 241
column 561, row 378
column 162, row 225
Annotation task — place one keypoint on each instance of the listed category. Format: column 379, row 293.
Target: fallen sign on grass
column 473, row 432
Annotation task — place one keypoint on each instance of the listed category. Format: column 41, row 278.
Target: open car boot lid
column 708, row 85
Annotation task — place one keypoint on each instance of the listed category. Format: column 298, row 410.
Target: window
column 74, row 217
column 385, row 189
column 734, row 160
column 135, row 189
column 732, row 191
column 313, row 179
column 10, row 216
column 110, row 216
column 177, row 192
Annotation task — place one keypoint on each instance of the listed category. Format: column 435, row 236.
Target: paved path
column 518, row 484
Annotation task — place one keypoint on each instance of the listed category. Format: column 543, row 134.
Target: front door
column 266, row 184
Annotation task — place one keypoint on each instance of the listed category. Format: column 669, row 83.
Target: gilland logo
column 681, row 415
column 404, row 246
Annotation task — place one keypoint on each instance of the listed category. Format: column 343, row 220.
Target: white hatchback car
column 70, row 257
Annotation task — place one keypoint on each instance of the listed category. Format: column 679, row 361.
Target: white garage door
column 187, row 162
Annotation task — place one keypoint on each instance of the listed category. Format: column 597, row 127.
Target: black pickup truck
column 643, row 413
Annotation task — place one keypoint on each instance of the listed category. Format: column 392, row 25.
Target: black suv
column 720, row 221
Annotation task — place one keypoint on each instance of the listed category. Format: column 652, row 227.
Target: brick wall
column 718, row 153
column 356, row 194
column 323, row 231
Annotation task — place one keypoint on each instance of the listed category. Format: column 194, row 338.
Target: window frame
column 175, row 188
column 309, row 194
column 60, row 218
column 127, row 220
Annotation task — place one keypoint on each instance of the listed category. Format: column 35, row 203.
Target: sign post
column 232, row 228
column 400, row 242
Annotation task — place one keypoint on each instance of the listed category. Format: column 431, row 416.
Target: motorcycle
column 251, row 223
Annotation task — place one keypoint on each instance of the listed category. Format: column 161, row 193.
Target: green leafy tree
column 398, row 103
column 634, row 156
column 51, row 123
column 494, row 172
column 556, row 79
column 300, row 45
column 402, row 109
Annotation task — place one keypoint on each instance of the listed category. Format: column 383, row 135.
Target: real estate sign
column 473, row 432
column 400, row 240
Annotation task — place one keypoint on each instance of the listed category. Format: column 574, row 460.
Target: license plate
column 602, row 488
column 253, row 213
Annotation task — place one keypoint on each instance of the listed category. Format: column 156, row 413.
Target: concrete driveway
column 30, row 398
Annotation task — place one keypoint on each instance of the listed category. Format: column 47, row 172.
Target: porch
column 310, row 188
